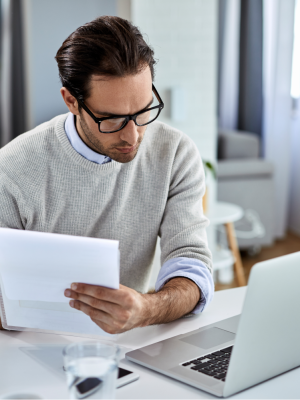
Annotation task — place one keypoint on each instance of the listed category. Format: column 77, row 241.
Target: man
column 107, row 169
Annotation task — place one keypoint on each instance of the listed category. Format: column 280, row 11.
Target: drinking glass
column 91, row 369
column 20, row 395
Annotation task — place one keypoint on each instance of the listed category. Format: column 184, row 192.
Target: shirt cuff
column 192, row 269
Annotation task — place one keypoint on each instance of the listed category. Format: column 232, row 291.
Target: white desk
column 19, row 372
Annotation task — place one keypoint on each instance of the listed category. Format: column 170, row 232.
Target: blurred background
column 229, row 74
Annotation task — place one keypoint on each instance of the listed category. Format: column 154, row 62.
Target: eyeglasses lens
column 114, row 124
column 110, row 125
column 147, row 116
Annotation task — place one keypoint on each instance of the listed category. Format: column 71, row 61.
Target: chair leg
column 238, row 265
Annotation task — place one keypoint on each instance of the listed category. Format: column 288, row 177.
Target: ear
column 70, row 101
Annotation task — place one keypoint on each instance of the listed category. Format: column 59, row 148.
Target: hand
column 113, row 310
column 119, row 310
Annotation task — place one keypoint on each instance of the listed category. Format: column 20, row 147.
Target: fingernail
column 74, row 286
column 72, row 303
column 68, row 293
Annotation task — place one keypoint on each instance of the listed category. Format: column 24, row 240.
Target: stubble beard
column 95, row 144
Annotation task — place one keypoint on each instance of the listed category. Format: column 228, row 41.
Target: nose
column 130, row 133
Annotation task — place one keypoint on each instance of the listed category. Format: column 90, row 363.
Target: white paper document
column 35, row 270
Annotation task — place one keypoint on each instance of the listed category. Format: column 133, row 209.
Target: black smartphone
column 125, row 376
column 87, row 386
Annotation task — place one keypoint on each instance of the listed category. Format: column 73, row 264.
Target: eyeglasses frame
column 128, row 118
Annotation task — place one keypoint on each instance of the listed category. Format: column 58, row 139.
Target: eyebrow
column 107, row 114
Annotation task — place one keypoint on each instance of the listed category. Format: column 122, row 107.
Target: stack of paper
column 36, row 268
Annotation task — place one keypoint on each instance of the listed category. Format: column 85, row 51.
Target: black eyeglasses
column 117, row 122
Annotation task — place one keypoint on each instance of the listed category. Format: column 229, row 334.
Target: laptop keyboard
column 214, row 364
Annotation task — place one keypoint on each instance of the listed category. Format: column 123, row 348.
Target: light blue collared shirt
column 79, row 145
column 190, row 268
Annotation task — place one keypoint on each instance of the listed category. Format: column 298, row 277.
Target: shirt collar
column 79, row 145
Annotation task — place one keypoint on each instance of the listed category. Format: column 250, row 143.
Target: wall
column 47, row 25
column 294, row 204
column 278, row 51
column 294, row 199
column 184, row 37
column 183, row 34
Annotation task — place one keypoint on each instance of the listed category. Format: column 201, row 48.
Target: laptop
column 233, row 354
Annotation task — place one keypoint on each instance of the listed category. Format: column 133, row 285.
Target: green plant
column 208, row 166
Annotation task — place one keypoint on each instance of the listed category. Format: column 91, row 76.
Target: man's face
column 116, row 96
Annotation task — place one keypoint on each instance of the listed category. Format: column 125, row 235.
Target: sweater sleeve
column 10, row 204
column 182, row 229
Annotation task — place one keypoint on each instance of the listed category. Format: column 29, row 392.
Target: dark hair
column 109, row 46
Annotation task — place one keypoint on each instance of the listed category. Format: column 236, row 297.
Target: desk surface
column 21, row 373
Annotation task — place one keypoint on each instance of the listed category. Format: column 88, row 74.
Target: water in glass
column 92, row 378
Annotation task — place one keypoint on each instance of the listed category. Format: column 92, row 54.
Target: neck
column 83, row 136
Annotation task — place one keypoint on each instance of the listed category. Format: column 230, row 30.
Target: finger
column 91, row 312
column 99, row 292
column 108, row 307
column 98, row 315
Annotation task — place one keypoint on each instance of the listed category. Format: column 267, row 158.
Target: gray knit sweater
column 46, row 186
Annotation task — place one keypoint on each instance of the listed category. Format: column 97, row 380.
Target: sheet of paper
column 50, row 317
column 37, row 266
